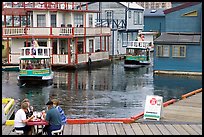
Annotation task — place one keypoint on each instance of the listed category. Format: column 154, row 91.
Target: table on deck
column 37, row 122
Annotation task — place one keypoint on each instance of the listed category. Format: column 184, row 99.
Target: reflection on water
column 105, row 92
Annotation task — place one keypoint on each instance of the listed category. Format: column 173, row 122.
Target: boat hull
column 136, row 66
column 35, row 80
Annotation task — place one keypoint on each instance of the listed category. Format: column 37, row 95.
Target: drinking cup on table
column 39, row 115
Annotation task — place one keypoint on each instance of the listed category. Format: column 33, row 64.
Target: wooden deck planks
column 128, row 129
column 93, row 129
column 136, row 128
column 119, row 129
column 102, row 129
column 171, row 129
column 68, row 129
column 145, row 129
column 125, row 129
column 76, row 129
column 188, row 110
column 7, row 130
column 180, row 129
column 163, row 129
column 189, row 129
column 84, row 129
column 154, row 129
column 196, row 128
column 111, row 129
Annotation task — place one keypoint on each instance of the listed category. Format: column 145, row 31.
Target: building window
column 162, row 51
column 178, row 51
column 135, row 19
column 138, row 18
column 191, row 14
column 78, row 20
column 109, row 14
column 53, row 20
column 90, row 20
column 129, row 14
column 2, row 46
column 91, row 45
column 41, row 21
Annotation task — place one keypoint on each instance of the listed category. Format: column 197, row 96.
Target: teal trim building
column 179, row 49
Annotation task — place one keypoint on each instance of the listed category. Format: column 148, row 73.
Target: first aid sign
column 153, row 107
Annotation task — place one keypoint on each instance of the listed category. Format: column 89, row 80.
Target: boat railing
column 35, row 52
column 137, row 44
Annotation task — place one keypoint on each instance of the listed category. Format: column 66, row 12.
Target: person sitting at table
column 20, row 119
column 63, row 116
column 53, row 118
column 29, row 112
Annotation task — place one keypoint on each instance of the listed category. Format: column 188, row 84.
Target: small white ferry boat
column 35, row 66
column 137, row 54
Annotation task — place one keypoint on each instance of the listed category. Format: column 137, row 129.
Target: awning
column 178, row 38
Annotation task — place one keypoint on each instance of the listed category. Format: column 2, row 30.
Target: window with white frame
column 78, row 19
column 178, row 51
column 41, row 20
column 138, row 18
column 53, row 20
column 162, row 50
column 135, row 18
column 90, row 20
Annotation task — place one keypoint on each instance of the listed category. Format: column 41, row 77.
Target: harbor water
column 107, row 92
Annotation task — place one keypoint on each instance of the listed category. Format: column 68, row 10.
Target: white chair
column 19, row 132
column 58, row 132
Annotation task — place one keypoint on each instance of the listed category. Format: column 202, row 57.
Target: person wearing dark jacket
column 53, row 118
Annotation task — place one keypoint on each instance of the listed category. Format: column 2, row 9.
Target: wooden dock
column 180, row 118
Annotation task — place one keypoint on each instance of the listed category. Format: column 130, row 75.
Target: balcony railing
column 137, row 44
column 45, row 5
column 36, row 31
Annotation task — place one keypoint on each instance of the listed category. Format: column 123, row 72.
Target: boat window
column 29, row 65
column 27, row 51
column 45, row 52
column 40, row 52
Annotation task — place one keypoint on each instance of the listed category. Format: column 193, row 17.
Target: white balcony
column 46, row 31
column 136, row 44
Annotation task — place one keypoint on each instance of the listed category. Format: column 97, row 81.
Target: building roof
column 182, row 6
column 178, row 38
column 132, row 5
column 154, row 12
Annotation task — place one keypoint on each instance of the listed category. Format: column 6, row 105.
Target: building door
column 80, row 47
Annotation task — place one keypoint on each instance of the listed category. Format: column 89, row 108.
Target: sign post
column 153, row 107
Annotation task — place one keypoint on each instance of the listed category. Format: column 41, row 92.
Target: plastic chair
column 58, row 132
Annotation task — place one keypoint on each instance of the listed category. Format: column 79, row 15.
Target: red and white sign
column 153, row 107
column 153, row 101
